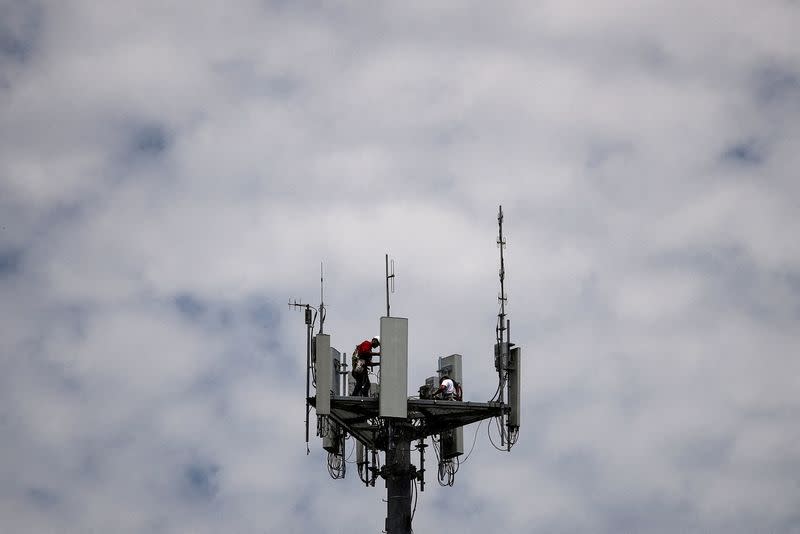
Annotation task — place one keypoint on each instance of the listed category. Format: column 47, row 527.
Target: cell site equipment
column 386, row 425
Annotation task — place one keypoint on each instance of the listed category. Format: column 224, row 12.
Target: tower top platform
column 360, row 417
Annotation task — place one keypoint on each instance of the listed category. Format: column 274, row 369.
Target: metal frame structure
column 359, row 415
column 391, row 423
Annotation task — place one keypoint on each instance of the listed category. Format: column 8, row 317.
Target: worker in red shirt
column 362, row 361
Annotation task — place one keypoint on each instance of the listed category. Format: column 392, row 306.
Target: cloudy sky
column 173, row 172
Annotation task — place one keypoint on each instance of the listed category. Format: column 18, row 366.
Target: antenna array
column 388, row 424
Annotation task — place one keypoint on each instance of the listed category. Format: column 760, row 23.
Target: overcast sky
column 173, row 172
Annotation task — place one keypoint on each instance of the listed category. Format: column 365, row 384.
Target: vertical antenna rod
column 321, row 301
column 387, row 287
column 501, row 348
column 388, row 278
column 501, row 242
column 309, row 324
column 308, row 368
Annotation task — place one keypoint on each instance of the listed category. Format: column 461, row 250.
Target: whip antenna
column 389, row 283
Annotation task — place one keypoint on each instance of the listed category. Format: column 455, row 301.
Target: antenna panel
column 394, row 367
column 351, row 383
column 431, row 385
column 452, row 441
column 514, row 374
column 359, row 453
column 336, row 358
column 323, row 373
column 451, row 366
column 332, row 441
column 501, row 356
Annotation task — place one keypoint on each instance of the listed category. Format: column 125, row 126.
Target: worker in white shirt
column 449, row 389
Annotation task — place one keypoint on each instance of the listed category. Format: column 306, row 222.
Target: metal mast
column 398, row 473
column 502, row 330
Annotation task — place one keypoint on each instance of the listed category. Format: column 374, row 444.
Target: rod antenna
column 501, row 317
column 321, row 299
column 309, row 325
column 389, row 283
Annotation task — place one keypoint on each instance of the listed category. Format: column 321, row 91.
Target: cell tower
column 389, row 421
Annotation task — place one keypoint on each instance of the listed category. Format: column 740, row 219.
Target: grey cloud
column 706, row 453
column 10, row 262
column 247, row 79
column 255, row 311
column 776, row 84
column 657, row 513
column 151, row 140
column 201, row 480
column 43, row 497
column 20, row 29
column 746, row 153
column 190, row 306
